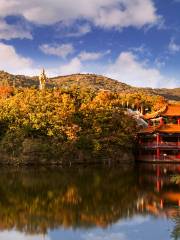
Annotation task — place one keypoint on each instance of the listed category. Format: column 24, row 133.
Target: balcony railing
column 161, row 145
column 162, row 157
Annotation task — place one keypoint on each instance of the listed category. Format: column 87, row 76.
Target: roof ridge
column 156, row 113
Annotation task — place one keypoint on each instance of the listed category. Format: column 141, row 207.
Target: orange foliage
column 6, row 91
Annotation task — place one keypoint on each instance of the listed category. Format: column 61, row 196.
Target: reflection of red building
column 160, row 141
column 160, row 195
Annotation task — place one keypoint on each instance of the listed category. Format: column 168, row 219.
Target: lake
column 90, row 203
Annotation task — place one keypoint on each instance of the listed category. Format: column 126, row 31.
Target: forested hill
column 17, row 80
column 98, row 82
column 92, row 81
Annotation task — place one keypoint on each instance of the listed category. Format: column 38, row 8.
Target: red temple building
column 160, row 141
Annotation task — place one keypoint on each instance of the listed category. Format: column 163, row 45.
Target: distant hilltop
column 91, row 81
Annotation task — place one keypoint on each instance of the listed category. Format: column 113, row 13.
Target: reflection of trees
column 175, row 178
column 33, row 201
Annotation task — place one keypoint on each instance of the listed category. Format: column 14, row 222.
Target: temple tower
column 42, row 80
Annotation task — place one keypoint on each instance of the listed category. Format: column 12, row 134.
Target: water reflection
column 161, row 195
column 90, row 203
column 157, row 190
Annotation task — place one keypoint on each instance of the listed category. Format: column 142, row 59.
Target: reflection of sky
column 136, row 228
column 15, row 235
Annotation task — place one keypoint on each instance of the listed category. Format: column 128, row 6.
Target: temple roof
column 155, row 114
column 149, row 129
column 169, row 128
column 170, row 110
column 166, row 128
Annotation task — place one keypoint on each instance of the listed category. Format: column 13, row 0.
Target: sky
column 133, row 41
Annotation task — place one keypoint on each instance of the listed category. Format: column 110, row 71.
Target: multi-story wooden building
column 160, row 141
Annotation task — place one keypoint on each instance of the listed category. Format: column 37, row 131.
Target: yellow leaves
column 44, row 111
column 98, row 129
column 72, row 196
column 72, row 132
column 50, row 133
column 97, row 146
column 75, row 116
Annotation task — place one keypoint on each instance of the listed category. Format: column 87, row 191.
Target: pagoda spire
column 42, row 80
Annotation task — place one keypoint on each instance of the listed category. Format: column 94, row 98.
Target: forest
column 63, row 125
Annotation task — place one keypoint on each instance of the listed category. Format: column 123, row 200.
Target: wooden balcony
column 161, row 159
column 162, row 145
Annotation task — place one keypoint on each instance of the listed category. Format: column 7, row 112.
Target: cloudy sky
column 133, row 41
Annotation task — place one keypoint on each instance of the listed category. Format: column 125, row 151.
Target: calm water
column 117, row 203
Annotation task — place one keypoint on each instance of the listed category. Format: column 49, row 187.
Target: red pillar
column 161, row 121
column 158, row 142
column 158, row 139
column 158, row 153
column 158, row 172
column 178, row 121
column 161, row 203
column 158, row 184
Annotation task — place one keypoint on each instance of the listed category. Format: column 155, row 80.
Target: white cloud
column 127, row 68
column 92, row 56
column 74, row 66
column 105, row 236
column 134, row 221
column 103, row 13
column 161, row 61
column 141, row 50
column 63, row 50
column 11, row 61
column 174, row 47
column 14, row 235
column 79, row 31
column 12, row 31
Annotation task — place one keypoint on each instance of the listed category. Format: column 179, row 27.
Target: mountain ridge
column 92, row 81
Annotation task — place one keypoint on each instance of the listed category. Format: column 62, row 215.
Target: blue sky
column 133, row 41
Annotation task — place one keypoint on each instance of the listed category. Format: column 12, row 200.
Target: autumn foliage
column 69, row 123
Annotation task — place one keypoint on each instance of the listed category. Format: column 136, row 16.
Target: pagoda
column 160, row 140
column 42, row 80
